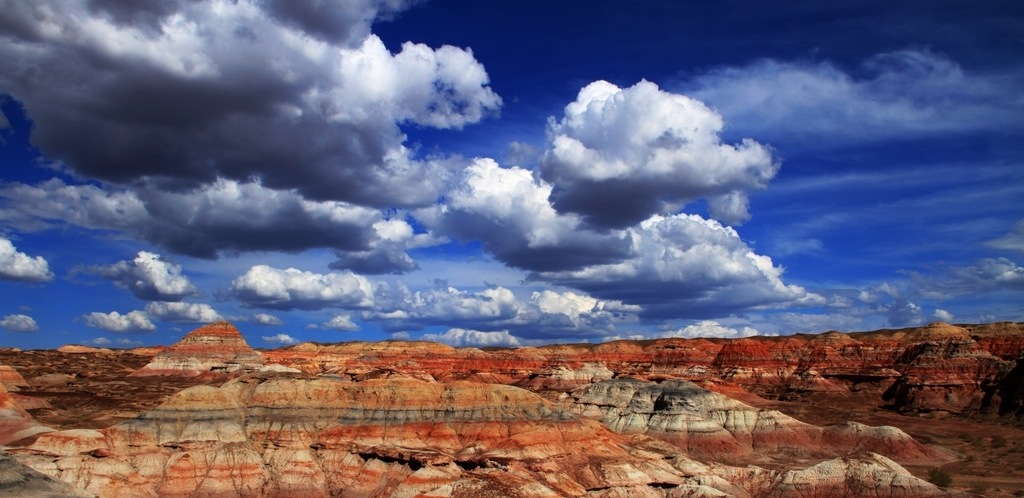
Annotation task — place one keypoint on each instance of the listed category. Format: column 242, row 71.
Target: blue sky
column 503, row 173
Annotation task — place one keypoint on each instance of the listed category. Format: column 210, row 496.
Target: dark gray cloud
column 225, row 216
column 227, row 91
column 346, row 21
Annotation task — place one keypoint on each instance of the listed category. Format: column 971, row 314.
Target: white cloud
column 894, row 95
column 149, row 277
column 341, row 322
column 266, row 319
column 443, row 88
column 703, row 328
column 268, row 287
column 685, row 264
column 650, row 150
column 19, row 266
column 462, row 337
column 711, row 328
column 100, row 341
column 183, row 312
column 547, row 314
column 509, row 211
column 944, row 316
column 280, row 339
column 133, row 321
column 18, row 323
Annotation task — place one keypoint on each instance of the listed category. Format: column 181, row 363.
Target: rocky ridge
column 294, row 435
column 669, row 417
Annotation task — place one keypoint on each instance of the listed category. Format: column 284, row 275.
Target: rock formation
column 710, row 425
column 209, row 416
column 11, row 379
column 217, row 350
column 15, row 422
column 295, row 435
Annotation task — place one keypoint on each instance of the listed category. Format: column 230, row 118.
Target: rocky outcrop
column 290, row 436
column 282, row 435
column 710, row 425
column 11, row 379
column 15, row 422
column 945, row 376
column 866, row 474
column 19, row 481
column 217, row 350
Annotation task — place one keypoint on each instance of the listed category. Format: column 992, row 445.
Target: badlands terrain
column 879, row 414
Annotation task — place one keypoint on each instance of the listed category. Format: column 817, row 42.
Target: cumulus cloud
column 297, row 94
column 133, row 321
column 224, row 216
column 619, row 156
column 267, row 287
column 266, row 319
column 387, row 251
column 462, row 337
column 342, row 323
column 710, row 328
column 509, row 211
column 284, row 339
column 688, row 266
column 19, row 266
column 149, row 277
column 100, row 341
column 543, row 314
column 183, row 312
column 943, row 315
column 893, row 95
column 18, row 323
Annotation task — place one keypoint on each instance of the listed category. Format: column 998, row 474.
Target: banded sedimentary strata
column 709, row 425
column 217, row 350
column 295, row 435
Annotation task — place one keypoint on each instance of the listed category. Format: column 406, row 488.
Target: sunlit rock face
column 217, row 350
column 11, row 379
column 660, row 418
column 281, row 435
column 710, row 425
column 285, row 435
column 15, row 422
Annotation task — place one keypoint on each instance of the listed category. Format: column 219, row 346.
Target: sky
column 506, row 173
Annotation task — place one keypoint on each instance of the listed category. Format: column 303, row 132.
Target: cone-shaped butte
column 214, row 350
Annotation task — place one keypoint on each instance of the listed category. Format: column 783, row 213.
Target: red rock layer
column 11, row 378
column 214, row 350
column 15, row 422
column 921, row 367
column 280, row 435
column 710, row 425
